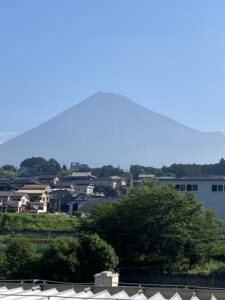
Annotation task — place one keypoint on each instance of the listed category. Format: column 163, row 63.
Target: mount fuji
column 108, row 128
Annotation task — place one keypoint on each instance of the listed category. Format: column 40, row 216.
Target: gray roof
column 11, row 193
column 35, row 187
column 74, row 291
column 82, row 174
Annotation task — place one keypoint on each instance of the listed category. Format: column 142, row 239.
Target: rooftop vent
column 107, row 279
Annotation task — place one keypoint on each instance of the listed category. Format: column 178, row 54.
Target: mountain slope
column 109, row 128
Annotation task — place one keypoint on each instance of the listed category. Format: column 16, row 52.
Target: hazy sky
column 166, row 55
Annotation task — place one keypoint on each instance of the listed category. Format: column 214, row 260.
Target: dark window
column 195, row 187
column 220, row 188
column 214, row 188
column 189, row 187
column 182, row 187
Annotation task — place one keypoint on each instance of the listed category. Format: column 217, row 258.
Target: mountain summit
column 108, row 128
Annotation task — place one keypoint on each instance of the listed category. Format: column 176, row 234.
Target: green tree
column 77, row 259
column 59, row 260
column 109, row 170
column 54, row 167
column 95, row 255
column 3, row 266
column 40, row 166
column 21, row 259
column 9, row 168
column 157, row 228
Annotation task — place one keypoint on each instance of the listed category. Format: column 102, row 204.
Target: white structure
column 210, row 191
column 105, row 182
column 84, row 189
column 70, row 294
column 106, row 278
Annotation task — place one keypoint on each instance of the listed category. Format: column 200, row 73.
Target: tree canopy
column 40, row 166
column 157, row 228
column 77, row 259
column 21, row 257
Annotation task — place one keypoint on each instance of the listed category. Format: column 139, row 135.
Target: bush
column 21, row 259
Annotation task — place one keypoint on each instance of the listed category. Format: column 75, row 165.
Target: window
column 195, row 187
column 189, row 187
column 180, row 187
column 192, row 187
column 218, row 188
column 214, row 188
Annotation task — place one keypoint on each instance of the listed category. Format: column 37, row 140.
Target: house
column 141, row 178
column 58, row 197
column 6, row 184
column 39, row 196
column 65, row 185
column 82, row 182
column 85, row 189
column 50, row 180
column 120, row 181
column 19, row 182
column 89, row 205
column 105, row 182
column 11, row 201
column 81, row 177
column 74, row 204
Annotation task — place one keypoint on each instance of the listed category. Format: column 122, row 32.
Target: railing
column 35, row 283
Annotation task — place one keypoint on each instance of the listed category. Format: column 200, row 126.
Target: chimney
column 107, row 279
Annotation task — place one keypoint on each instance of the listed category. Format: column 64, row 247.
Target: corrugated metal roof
column 54, row 294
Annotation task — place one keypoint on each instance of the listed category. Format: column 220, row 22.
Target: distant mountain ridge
column 108, row 128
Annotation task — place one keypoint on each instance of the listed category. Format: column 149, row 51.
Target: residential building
column 58, row 198
column 12, row 201
column 19, row 182
column 105, row 182
column 50, row 180
column 82, row 182
column 74, row 204
column 6, row 184
column 39, row 196
column 85, row 189
column 121, row 182
column 81, row 177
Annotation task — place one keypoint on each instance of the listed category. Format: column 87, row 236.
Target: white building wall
column 204, row 195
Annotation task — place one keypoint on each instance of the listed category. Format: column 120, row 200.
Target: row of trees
column 180, row 170
column 40, row 166
column 66, row 259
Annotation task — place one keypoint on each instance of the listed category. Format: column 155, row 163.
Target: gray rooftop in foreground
column 56, row 291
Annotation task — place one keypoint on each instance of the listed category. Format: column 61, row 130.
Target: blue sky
column 166, row 55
